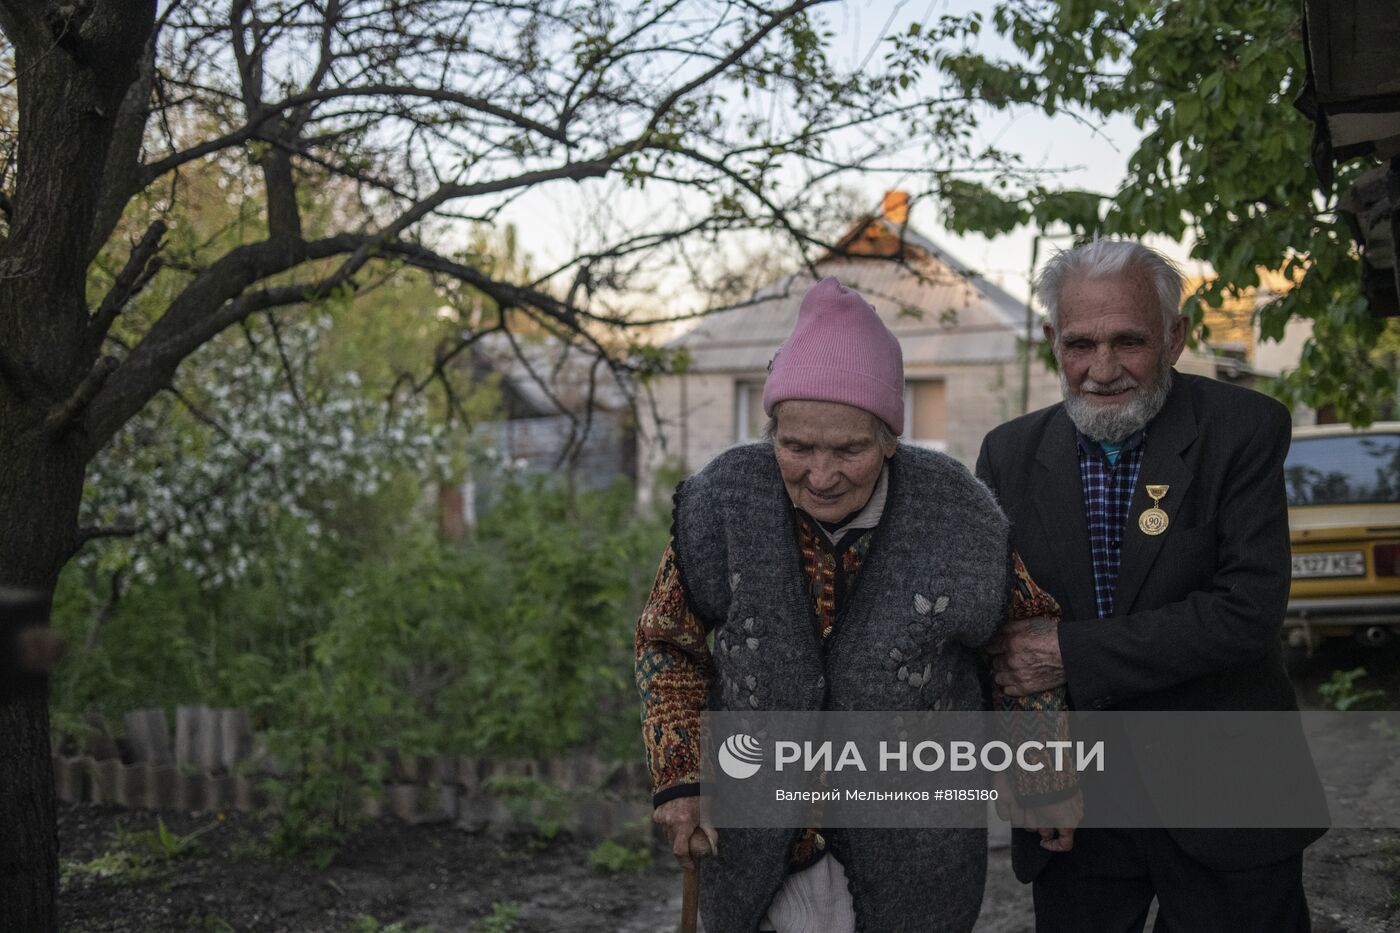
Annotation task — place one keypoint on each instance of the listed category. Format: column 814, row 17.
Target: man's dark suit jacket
column 1198, row 609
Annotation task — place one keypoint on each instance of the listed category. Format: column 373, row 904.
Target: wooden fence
column 212, row 761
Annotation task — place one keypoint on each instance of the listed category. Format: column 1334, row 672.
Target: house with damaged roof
column 966, row 367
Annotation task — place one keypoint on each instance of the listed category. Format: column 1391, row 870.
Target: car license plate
column 1330, row 564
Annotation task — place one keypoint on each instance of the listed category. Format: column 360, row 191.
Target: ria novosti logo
column 740, row 756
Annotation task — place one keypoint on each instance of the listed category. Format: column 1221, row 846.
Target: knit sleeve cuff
column 1044, row 798
column 674, row 793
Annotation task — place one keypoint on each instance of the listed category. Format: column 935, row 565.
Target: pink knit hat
column 840, row 351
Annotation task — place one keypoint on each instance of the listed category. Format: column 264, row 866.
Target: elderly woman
column 806, row 560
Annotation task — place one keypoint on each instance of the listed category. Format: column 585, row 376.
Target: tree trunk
column 39, row 494
column 74, row 63
column 29, row 845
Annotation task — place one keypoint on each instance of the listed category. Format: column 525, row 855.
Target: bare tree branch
column 66, row 413
column 121, row 176
column 287, row 370
column 254, row 128
column 94, row 532
column 775, row 19
column 129, row 281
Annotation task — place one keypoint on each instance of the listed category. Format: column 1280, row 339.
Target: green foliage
column 160, row 844
column 577, row 570
column 542, row 807
column 972, row 207
column 1224, row 159
column 652, row 360
column 1342, row 693
column 119, row 865
column 135, row 855
column 502, row 918
column 516, row 643
column 612, row 858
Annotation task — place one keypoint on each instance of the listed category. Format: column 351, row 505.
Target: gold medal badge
column 1154, row 521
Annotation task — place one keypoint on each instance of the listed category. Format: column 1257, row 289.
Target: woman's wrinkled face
column 830, row 456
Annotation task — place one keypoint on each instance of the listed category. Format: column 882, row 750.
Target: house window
column 749, row 419
column 926, row 413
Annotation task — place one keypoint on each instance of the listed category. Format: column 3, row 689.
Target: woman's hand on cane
column 680, row 819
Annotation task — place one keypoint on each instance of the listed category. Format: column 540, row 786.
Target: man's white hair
column 1108, row 259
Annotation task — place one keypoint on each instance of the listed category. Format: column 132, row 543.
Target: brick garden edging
column 214, row 764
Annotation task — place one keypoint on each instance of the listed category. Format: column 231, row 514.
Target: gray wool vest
column 932, row 590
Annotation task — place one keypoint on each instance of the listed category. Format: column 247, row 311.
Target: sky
column 1094, row 157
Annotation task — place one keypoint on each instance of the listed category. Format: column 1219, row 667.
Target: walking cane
column 690, row 886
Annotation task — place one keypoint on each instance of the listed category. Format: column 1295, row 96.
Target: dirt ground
column 391, row 878
column 442, row 879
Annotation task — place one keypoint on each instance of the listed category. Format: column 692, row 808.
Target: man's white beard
column 1117, row 423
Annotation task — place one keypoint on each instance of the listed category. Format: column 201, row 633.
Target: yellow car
column 1344, row 520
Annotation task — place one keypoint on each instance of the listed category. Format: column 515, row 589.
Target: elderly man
column 1150, row 505
column 805, row 561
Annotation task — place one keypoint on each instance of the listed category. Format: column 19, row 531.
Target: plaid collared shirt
column 1108, row 494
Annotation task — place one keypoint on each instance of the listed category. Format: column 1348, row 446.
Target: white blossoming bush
column 256, row 436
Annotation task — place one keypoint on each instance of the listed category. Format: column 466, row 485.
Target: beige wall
column 1273, row 358
column 694, row 420
column 1197, row 362
column 981, row 396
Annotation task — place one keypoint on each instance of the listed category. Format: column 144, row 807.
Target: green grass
column 502, row 918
